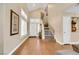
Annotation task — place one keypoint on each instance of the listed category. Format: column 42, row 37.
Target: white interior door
column 66, row 29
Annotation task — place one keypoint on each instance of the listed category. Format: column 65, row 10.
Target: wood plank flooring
column 36, row 46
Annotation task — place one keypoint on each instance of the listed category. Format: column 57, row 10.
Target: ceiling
column 73, row 9
column 55, row 7
column 64, row 7
column 59, row 7
column 34, row 6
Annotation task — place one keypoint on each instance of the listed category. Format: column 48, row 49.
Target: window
column 23, row 23
column 23, row 27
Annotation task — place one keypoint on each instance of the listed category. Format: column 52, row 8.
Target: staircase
column 47, row 32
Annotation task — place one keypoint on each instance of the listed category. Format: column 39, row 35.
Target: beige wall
column 55, row 19
column 1, row 29
column 10, row 42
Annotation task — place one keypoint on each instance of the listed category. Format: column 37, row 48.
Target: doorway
column 34, row 27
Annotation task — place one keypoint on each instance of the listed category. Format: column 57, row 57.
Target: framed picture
column 14, row 23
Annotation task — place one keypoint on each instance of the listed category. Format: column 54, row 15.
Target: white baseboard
column 74, row 42
column 59, row 42
column 18, row 46
column 66, row 43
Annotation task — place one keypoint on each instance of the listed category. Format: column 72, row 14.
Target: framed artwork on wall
column 14, row 23
column 75, row 24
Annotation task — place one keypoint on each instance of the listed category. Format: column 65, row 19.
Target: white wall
column 10, row 42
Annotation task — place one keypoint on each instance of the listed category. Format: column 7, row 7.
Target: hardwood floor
column 35, row 46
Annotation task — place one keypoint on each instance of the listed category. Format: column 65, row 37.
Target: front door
column 34, row 29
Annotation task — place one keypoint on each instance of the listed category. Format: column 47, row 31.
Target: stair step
column 48, row 33
column 46, row 28
column 49, row 37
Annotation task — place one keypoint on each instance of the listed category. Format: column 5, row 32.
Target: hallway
column 48, row 21
column 35, row 46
